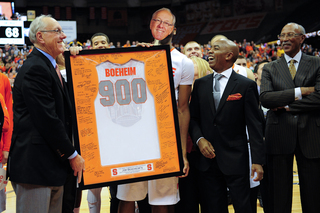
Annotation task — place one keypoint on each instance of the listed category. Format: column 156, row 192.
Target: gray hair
column 168, row 10
column 37, row 25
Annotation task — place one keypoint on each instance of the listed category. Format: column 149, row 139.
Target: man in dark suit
column 290, row 87
column 41, row 151
column 219, row 131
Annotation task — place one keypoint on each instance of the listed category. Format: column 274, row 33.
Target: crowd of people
column 13, row 56
column 232, row 140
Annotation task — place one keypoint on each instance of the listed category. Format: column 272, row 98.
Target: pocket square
column 234, row 97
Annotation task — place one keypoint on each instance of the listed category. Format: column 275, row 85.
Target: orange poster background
column 85, row 88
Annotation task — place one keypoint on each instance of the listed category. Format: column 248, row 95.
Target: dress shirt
column 223, row 83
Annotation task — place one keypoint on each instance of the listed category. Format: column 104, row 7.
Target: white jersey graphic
column 124, row 108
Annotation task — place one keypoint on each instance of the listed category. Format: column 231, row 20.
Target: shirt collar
column 226, row 73
column 51, row 59
column 297, row 57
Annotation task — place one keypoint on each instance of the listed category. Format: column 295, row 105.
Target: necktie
column 216, row 90
column 59, row 74
column 292, row 68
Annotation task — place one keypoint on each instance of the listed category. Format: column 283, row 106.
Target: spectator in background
column 249, row 48
column 24, row 50
column 20, row 63
column 192, row 48
column 133, row 44
column 4, row 127
column 127, row 44
column 2, row 66
column 241, row 61
column 111, row 45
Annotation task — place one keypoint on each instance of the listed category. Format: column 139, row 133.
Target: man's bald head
column 223, row 54
column 217, row 37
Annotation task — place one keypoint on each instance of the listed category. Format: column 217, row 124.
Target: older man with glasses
column 42, row 156
column 290, row 88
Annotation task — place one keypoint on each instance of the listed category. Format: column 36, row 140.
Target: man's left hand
column 259, row 170
column 185, row 168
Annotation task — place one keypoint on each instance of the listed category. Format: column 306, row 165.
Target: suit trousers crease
column 32, row 198
column 213, row 191
column 281, row 182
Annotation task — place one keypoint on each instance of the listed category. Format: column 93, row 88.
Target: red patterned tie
column 59, row 74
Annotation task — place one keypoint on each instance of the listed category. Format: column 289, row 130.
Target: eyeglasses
column 289, row 35
column 52, row 31
column 158, row 21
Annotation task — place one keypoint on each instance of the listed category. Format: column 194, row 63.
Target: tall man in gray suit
column 290, row 88
column 41, row 151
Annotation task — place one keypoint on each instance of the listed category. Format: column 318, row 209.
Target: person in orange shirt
column 4, row 128
column 5, row 121
column 127, row 44
column 249, row 48
column 5, row 91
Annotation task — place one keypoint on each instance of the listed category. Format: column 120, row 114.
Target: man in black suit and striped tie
column 290, row 87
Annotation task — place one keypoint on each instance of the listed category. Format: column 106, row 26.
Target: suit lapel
column 303, row 68
column 53, row 71
column 232, row 82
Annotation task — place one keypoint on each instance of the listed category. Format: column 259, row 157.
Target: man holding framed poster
column 110, row 89
column 164, row 193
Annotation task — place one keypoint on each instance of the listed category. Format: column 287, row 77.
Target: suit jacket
column 41, row 141
column 225, row 127
column 302, row 124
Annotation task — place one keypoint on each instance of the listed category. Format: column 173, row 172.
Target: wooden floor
column 296, row 206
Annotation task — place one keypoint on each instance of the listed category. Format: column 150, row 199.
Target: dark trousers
column 69, row 193
column 264, row 189
column 189, row 189
column 213, row 188
column 281, row 181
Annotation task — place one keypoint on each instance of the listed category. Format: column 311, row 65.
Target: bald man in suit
column 219, row 131
column 292, row 91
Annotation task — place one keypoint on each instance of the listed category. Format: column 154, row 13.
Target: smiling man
column 162, row 24
column 290, row 87
column 221, row 107
column 192, row 48
column 163, row 193
column 41, row 152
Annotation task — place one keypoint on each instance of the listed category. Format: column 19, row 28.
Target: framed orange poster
column 125, row 114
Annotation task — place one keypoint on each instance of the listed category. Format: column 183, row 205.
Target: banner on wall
column 233, row 24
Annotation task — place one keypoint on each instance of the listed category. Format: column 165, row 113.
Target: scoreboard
column 11, row 32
